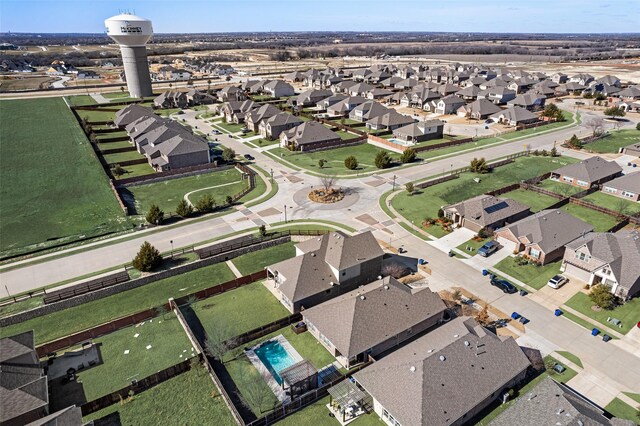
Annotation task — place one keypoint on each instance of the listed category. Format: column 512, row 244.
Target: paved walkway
column 233, row 268
column 99, row 98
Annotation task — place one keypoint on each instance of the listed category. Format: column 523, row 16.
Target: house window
column 583, row 256
column 582, row 183
column 389, row 418
column 567, row 179
column 628, row 194
column 609, row 190
column 534, row 253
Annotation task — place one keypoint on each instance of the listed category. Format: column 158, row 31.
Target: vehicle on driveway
column 503, row 285
column 488, row 248
column 248, row 157
column 557, row 281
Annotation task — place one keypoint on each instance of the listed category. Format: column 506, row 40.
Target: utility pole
column 171, row 242
column 285, row 213
column 272, row 176
column 394, row 182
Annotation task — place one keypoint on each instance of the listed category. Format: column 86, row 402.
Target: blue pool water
column 275, row 357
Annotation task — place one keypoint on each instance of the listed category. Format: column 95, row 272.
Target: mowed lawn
column 58, row 324
column 614, row 141
column 628, row 313
column 53, row 188
column 533, row 275
column 426, row 202
column 163, row 404
column 611, row 202
column 532, row 199
column 364, row 153
column 167, row 194
column 601, row 222
column 258, row 260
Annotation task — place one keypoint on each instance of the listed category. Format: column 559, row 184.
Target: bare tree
column 327, row 182
column 217, row 343
column 596, row 125
column 483, row 316
column 255, row 393
column 395, row 270
column 621, row 206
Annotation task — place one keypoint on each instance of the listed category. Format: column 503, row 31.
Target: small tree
column 327, row 182
column 574, row 142
column 596, row 125
column 228, row 154
column 553, row 152
column 479, row 165
column 615, row 112
column 409, row 187
column 322, row 162
column 638, row 126
column 262, row 229
column 395, row 270
column 184, row 209
column 408, row 155
column 121, row 89
column 483, row 316
column 155, row 215
column 601, row 295
column 440, row 213
column 382, row 160
column 205, row 204
column 342, row 121
column 553, row 112
column 351, row 162
column 228, row 199
column 148, row 258
column 117, row 170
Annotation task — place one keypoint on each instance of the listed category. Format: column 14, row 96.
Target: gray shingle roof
column 441, row 376
column 487, row 209
column 516, row 114
column 282, row 119
column 361, row 319
column 310, row 132
column 15, row 346
column 482, row 107
column 629, row 182
column 590, row 170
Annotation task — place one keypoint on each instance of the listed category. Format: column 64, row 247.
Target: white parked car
column 557, row 281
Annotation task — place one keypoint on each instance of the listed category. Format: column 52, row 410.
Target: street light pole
column 272, row 176
column 394, row 182
column 285, row 213
column 171, row 242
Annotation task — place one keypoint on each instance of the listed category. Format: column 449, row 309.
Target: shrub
column 184, row 209
column 229, row 199
column 574, row 142
column 601, row 295
column 155, row 215
column 408, row 156
column 553, row 152
column 409, row 187
column 148, row 258
column 382, row 160
column 638, row 126
column 206, row 203
column 117, row 170
column 351, row 162
column 615, row 112
column 536, row 152
column 440, row 213
column 479, row 165
column 544, row 153
column 262, row 230
column 228, row 154
column 484, row 233
column 321, row 163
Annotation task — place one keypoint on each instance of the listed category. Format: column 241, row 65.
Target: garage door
column 578, row 273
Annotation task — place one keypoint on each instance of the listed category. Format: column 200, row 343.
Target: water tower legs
column 136, row 70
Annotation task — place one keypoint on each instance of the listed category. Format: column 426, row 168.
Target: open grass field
column 601, row 222
column 168, row 343
column 613, row 203
column 533, row 275
column 258, row 260
column 364, row 153
column 53, row 190
column 163, row 405
column 425, row 203
column 614, row 141
column 58, row 324
column 532, row 199
column 628, row 314
column 167, row 194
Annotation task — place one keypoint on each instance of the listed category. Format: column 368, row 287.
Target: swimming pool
column 400, row 142
column 275, row 357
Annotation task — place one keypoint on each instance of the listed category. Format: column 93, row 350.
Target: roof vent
column 362, row 297
column 560, row 411
column 313, row 255
column 456, row 335
column 430, row 350
column 412, row 369
column 379, row 277
column 466, row 343
column 442, row 358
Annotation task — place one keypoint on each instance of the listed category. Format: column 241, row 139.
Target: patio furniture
column 346, row 398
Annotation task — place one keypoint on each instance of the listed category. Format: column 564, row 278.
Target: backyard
column 167, row 194
column 196, row 400
column 426, row 202
column 364, row 153
column 560, row 188
column 628, row 313
column 601, row 222
column 535, row 200
column 614, row 141
column 611, row 202
column 318, row 413
column 67, row 196
column 533, row 275
column 258, row 260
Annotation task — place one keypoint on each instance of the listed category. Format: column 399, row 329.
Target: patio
column 347, row 402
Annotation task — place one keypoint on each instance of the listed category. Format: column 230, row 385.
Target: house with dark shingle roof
column 444, row 377
column 449, row 104
column 309, row 136
column 589, row 172
column 254, row 117
column 389, row 121
column 514, row 116
column 553, row 403
column 235, row 111
column 325, row 267
column 478, row 109
column 612, row 259
column 542, row 236
column 420, row 131
column 368, row 110
column 272, row 127
column 373, row 319
column 486, row 211
column 278, row 88
column 530, row 100
column 626, row 187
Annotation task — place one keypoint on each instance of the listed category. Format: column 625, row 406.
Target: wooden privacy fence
column 137, row 386
column 86, row 287
column 438, row 180
column 261, row 331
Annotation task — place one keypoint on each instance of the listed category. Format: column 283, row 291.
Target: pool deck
column 264, row 371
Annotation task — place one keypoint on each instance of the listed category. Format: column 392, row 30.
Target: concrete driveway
column 480, row 263
column 558, row 297
column 453, row 240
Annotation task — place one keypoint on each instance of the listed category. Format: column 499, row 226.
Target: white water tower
column 132, row 34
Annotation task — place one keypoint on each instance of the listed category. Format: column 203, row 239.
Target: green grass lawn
column 58, row 324
column 103, row 146
column 533, row 275
column 229, row 127
column 167, row 339
column 81, row 100
column 532, row 199
column 611, row 202
column 578, row 320
column 264, row 142
column 473, row 245
column 167, row 112
column 167, row 194
column 109, row 135
column 634, row 396
column 318, row 414
column 614, row 141
column 563, row 377
column 563, row 189
column 622, row 410
column 162, row 404
column 258, row 260
column 628, row 314
column 136, row 170
column 238, row 311
column 365, row 153
column 108, row 115
column 601, row 222
column 123, row 156
column 53, row 190
column 571, row 357
column 346, row 135
column 426, row 202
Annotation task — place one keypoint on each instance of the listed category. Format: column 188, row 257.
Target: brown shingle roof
column 590, row 170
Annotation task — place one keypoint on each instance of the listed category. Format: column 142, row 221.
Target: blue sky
column 554, row 16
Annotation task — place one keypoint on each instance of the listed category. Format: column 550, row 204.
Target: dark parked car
column 503, row 285
column 488, row 248
column 248, row 157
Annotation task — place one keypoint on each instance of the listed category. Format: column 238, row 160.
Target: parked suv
column 557, row 281
column 488, row 248
column 503, row 285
